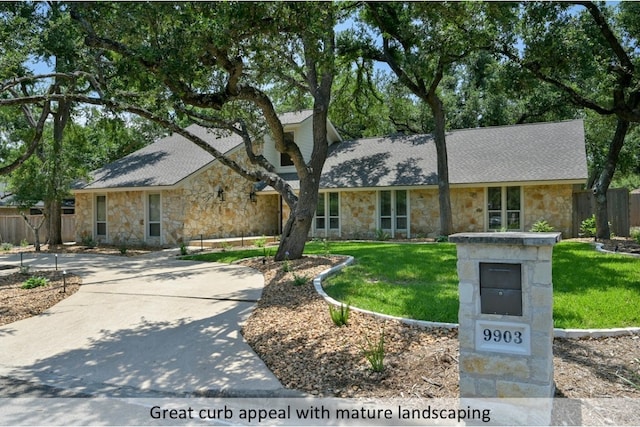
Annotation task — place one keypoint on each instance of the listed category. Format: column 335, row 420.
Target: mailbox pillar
column 505, row 315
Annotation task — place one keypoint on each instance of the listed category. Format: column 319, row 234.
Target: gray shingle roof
column 169, row 160
column 529, row 152
column 163, row 163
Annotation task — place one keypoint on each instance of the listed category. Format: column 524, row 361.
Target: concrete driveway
column 149, row 325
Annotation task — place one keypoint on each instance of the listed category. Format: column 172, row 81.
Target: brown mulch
column 81, row 249
column 17, row 303
column 292, row 332
column 621, row 244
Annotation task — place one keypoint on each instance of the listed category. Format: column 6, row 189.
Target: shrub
column 339, row 316
column 382, row 235
column 261, row 242
column 183, row 249
column 299, row 280
column 442, row 239
column 87, row 240
column 6, row 246
column 34, row 282
column 24, row 243
column 635, row 235
column 374, row 353
column 588, row 226
column 541, row 226
column 226, row 246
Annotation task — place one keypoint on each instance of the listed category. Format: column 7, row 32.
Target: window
column 504, row 208
column 328, row 212
column 393, row 211
column 285, row 159
column 101, row 216
column 154, row 215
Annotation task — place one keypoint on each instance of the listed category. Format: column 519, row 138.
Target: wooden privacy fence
column 14, row 229
column 634, row 208
column 584, row 205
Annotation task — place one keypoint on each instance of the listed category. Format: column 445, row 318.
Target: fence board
column 618, row 211
column 14, row 229
column 634, row 209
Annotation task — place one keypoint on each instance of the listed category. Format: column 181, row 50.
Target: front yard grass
column 419, row 281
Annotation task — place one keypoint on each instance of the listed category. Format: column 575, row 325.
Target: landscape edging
column 557, row 332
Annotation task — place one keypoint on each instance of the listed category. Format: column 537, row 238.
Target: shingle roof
column 529, row 152
column 169, row 160
column 163, row 163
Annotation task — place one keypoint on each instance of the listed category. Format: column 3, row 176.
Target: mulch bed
column 17, row 303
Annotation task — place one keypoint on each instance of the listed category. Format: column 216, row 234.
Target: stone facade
column 553, row 203
column 522, row 365
column 193, row 209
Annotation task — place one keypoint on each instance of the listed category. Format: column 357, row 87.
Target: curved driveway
column 149, row 324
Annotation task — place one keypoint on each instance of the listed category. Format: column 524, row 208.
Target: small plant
column 326, row 247
column 34, row 282
column 286, row 265
column 261, row 242
column 24, row 243
column 123, row 249
column 24, row 269
column 87, row 240
column 299, row 280
column 382, row 235
column 541, row 226
column 588, row 226
column 339, row 316
column 183, row 249
column 635, row 235
column 6, row 246
column 442, row 239
column 226, row 246
column 373, row 351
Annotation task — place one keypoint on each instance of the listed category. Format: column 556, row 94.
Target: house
column 505, row 177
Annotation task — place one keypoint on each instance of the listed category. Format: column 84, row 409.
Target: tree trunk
column 603, row 181
column 54, row 214
column 444, row 195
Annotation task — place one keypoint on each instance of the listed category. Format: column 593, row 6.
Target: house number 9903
column 502, row 336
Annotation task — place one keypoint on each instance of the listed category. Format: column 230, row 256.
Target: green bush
column 541, row 226
column 261, row 242
column 339, row 316
column 299, row 280
column 442, row 239
column 34, row 282
column 382, row 235
column 588, row 226
column 635, row 235
column 6, row 246
column 183, row 249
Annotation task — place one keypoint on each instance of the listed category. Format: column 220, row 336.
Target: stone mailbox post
column 505, row 317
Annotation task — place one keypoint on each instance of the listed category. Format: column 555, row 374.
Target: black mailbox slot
column 501, row 288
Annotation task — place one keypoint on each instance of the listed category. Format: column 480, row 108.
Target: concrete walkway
column 149, row 325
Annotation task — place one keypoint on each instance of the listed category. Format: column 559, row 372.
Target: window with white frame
column 154, row 215
column 504, row 208
column 101, row 216
column 328, row 212
column 393, row 211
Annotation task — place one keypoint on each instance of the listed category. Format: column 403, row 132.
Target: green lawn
column 419, row 281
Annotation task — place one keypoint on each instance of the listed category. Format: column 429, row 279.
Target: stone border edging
column 557, row 332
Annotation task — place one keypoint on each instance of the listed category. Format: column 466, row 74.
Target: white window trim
column 97, row 236
column 327, row 217
column 147, row 220
column 503, row 206
column 394, row 216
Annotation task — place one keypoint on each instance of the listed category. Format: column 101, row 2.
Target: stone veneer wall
column 553, row 203
column 84, row 220
column 358, row 214
column 205, row 214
